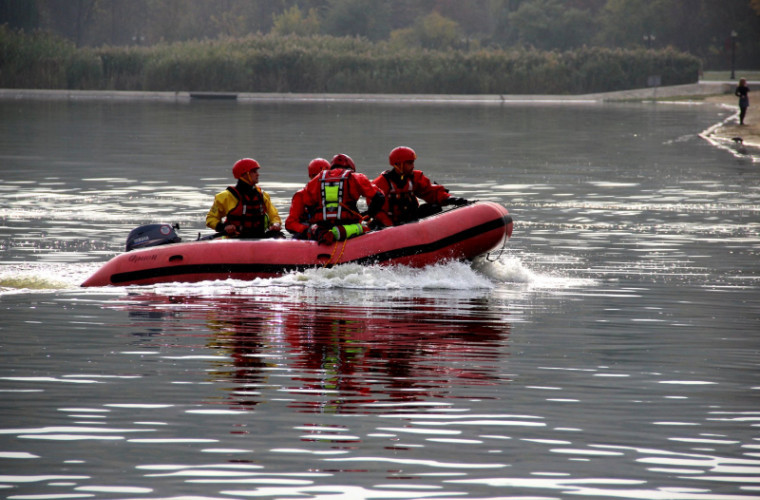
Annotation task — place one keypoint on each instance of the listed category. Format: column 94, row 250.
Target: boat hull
column 459, row 234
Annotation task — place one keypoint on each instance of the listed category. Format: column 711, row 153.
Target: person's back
column 300, row 215
column 335, row 192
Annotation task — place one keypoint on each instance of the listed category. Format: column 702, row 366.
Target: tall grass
column 323, row 64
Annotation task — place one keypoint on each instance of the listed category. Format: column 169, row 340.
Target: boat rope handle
column 499, row 252
column 343, row 249
column 328, row 261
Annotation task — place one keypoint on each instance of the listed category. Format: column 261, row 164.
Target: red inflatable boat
column 457, row 234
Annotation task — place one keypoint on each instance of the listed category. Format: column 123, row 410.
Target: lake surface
column 611, row 350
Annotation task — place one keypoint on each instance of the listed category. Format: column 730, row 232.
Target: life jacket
column 250, row 214
column 334, row 207
column 402, row 202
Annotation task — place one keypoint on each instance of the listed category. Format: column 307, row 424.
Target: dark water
column 610, row 351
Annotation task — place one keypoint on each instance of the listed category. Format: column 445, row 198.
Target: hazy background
column 715, row 31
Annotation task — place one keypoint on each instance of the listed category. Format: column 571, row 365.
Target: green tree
column 368, row 18
column 550, row 24
column 19, row 14
column 432, row 31
column 293, row 22
column 472, row 21
column 438, row 32
column 624, row 23
column 119, row 22
column 500, row 30
column 700, row 27
column 72, row 18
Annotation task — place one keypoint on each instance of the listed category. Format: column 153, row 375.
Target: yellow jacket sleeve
column 223, row 203
column 272, row 214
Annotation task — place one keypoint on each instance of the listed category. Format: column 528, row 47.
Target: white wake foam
column 481, row 275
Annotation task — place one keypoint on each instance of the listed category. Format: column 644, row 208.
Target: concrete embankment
column 696, row 89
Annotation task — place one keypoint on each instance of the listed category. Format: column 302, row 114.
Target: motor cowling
column 152, row 235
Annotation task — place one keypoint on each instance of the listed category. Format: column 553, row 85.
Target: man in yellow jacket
column 244, row 210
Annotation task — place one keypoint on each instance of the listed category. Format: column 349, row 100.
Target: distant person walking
column 742, row 92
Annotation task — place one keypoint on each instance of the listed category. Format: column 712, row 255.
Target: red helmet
column 317, row 165
column 401, row 154
column 343, row 161
column 242, row 166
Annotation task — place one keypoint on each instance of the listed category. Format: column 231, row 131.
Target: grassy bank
column 325, row 64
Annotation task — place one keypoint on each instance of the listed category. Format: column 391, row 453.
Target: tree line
column 329, row 64
column 714, row 31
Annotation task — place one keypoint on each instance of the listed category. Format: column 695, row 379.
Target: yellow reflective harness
column 333, row 206
column 332, row 195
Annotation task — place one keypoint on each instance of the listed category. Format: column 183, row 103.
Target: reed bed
column 324, row 64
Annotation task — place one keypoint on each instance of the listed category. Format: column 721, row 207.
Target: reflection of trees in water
column 346, row 358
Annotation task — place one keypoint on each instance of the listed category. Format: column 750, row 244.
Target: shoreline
column 727, row 134
column 653, row 93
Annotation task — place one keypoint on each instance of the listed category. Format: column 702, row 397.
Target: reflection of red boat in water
column 458, row 234
column 332, row 357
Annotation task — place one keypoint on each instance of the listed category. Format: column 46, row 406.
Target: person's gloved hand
column 274, row 234
column 326, row 237
column 375, row 225
column 457, row 202
column 321, row 234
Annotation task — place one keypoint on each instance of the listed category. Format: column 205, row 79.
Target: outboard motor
column 152, row 235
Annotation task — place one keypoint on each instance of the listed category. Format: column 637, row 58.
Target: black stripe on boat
column 230, row 269
column 436, row 245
